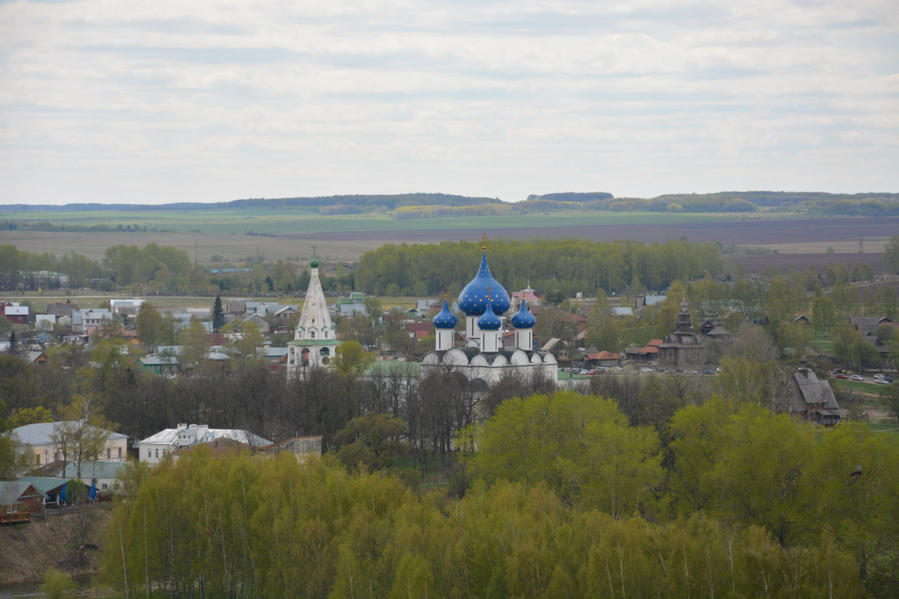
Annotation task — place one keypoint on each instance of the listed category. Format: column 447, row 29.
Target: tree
column 83, row 431
column 58, row 585
column 218, row 315
column 352, row 359
column 372, row 440
column 891, row 253
column 194, row 345
column 149, row 326
column 824, row 313
column 25, row 416
column 890, row 396
column 580, row 446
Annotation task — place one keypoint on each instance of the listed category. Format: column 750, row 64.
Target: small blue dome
column 445, row 319
column 481, row 290
column 523, row 319
column 489, row 321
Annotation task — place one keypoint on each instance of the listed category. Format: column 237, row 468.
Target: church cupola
column 481, row 292
column 524, row 322
column 489, row 325
column 445, row 325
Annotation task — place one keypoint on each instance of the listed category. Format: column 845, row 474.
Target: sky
column 170, row 101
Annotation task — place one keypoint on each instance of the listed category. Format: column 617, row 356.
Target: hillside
column 28, row 550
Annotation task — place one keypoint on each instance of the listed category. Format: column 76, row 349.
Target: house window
column 37, row 459
column 157, row 452
column 108, row 453
column 104, row 486
column 120, row 453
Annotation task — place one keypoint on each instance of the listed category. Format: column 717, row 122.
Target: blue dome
column 489, row 321
column 481, row 290
column 523, row 319
column 445, row 319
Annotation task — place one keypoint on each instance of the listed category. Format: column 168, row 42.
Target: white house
column 153, row 449
column 37, row 441
column 94, row 318
column 45, row 322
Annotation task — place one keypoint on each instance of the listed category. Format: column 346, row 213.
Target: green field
column 279, row 221
column 885, row 427
column 858, row 387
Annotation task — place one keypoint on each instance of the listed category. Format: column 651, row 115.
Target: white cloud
column 211, row 101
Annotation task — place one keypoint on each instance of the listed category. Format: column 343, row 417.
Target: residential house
column 127, row 307
column 602, row 359
column 275, row 356
column 104, row 474
column 15, row 313
column 35, row 358
column 812, row 399
column 154, row 448
column 94, row 318
column 18, row 501
column 160, row 364
column 647, row 353
column 60, row 309
column 352, row 305
column 37, row 441
column 44, row 322
column 284, row 313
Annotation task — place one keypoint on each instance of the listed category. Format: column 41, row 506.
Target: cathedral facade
column 482, row 358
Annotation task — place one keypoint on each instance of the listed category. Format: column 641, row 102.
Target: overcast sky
column 162, row 101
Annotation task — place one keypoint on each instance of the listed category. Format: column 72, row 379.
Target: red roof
column 603, row 355
column 654, row 342
column 415, row 327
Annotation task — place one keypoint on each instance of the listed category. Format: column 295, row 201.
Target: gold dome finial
column 484, row 242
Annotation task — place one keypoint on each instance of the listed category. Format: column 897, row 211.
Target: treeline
column 53, row 227
column 563, row 499
column 154, row 269
column 411, row 212
column 561, row 267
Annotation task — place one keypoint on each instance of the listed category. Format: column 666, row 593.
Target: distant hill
column 572, row 196
column 364, row 203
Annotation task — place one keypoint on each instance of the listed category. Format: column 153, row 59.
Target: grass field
column 302, row 221
column 858, row 387
column 886, row 427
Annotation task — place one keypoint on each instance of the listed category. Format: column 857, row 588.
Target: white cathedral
column 482, row 360
column 314, row 341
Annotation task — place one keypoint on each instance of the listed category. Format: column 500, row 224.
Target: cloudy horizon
column 159, row 102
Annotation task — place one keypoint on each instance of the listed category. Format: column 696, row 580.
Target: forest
column 564, row 267
column 563, row 497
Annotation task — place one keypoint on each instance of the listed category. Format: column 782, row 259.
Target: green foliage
column 25, row 416
column 149, row 326
column 372, row 440
column 581, row 447
column 218, row 315
column 891, row 253
column 567, row 265
column 256, row 527
column 58, row 585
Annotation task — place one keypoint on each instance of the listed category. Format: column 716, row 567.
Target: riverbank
column 72, row 542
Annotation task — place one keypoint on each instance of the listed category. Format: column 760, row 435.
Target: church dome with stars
column 489, row 321
column 483, row 289
column 445, row 319
column 523, row 319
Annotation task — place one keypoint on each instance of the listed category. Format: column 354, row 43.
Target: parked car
column 840, row 375
column 880, row 376
column 881, row 382
column 857, row 377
